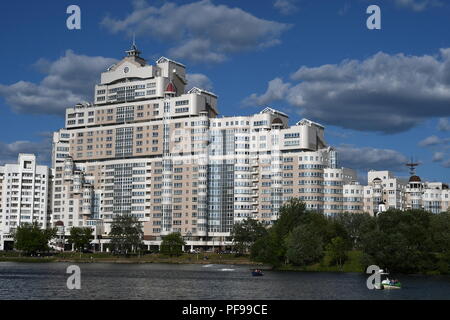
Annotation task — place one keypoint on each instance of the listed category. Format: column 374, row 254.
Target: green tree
column 337, row 251
column 400, row 241
column 80, row 237
column 304, row 246
column 291, row 215
column 267, row 249
column 354, row 225
column 272, row 248
column 246, row 233
column 126, row 234
column 31, row 239
column 172, row 244
column 440, row 232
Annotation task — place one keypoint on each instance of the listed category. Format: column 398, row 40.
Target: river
column 229, row 282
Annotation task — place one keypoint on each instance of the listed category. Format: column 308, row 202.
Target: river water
column 228, row 282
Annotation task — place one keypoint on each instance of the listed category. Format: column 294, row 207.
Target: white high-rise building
column 385, row 191
column 149, row 148
column 24, row 190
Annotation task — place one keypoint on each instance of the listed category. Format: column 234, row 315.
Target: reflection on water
column 166, row 281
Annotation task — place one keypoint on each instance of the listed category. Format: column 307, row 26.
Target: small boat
column 388, row 283
column 257, row 273
column 391, row 284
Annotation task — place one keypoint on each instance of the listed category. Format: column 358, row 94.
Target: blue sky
column 383, row 95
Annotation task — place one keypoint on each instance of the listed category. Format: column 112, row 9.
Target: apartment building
column 149, row 148
column 385, row 191
column 24, row 194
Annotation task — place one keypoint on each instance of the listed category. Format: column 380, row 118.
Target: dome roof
column 414, row 179
column 59, row 223
column 376, row 179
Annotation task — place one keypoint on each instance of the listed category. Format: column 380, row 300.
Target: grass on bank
column 353, row 264
column 186, row 258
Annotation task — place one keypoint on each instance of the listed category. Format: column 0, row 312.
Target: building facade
column 149, row 148
column 385, row 191
column 24, row 196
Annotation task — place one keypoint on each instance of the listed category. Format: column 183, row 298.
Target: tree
column 304, row 246
column 80, row 237
column 354, row 224
column 126, row 234
column 291, row 214
column 31, row 239
column 172, row 244
column 401, row 241
column 267, row 249
column 440, row 232
column 337, row 251
column 245, row 234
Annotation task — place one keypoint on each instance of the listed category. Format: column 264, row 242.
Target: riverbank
column 74, row 257
column 353, row 264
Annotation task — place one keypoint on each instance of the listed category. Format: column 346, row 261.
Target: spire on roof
column 134, row 51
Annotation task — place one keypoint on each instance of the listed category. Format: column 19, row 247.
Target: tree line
column 126, row 237
column 411, row 241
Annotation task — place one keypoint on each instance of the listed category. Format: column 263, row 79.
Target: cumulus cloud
column 446, row 164
column 433, row 141
column 417, row 5
column 286, row 6
column 198, row 80
column 368, row 158
column 200, row 31
column 443, row 124
column 69, row 80
column 10, row 151
column 383, row 93
column 276, row 90
column 438, row 156
column 429, row 141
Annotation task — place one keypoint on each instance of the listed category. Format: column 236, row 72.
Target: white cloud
column 438, row 156
column 198, row 80
column 368, row 158
column 443, row 124
column 384, row 93
column 429, row 141
column 68, row 80
column 276, row 90
column 10, row 151
column 200, row 31
column 446, row 164
column 286, row 7
column 433, row 141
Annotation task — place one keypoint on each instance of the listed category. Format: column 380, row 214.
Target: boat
column 391, row 284
column 388, row 283
column 257, row 273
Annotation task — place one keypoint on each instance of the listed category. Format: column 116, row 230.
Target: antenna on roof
column 412, row 166
column 134, row 50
